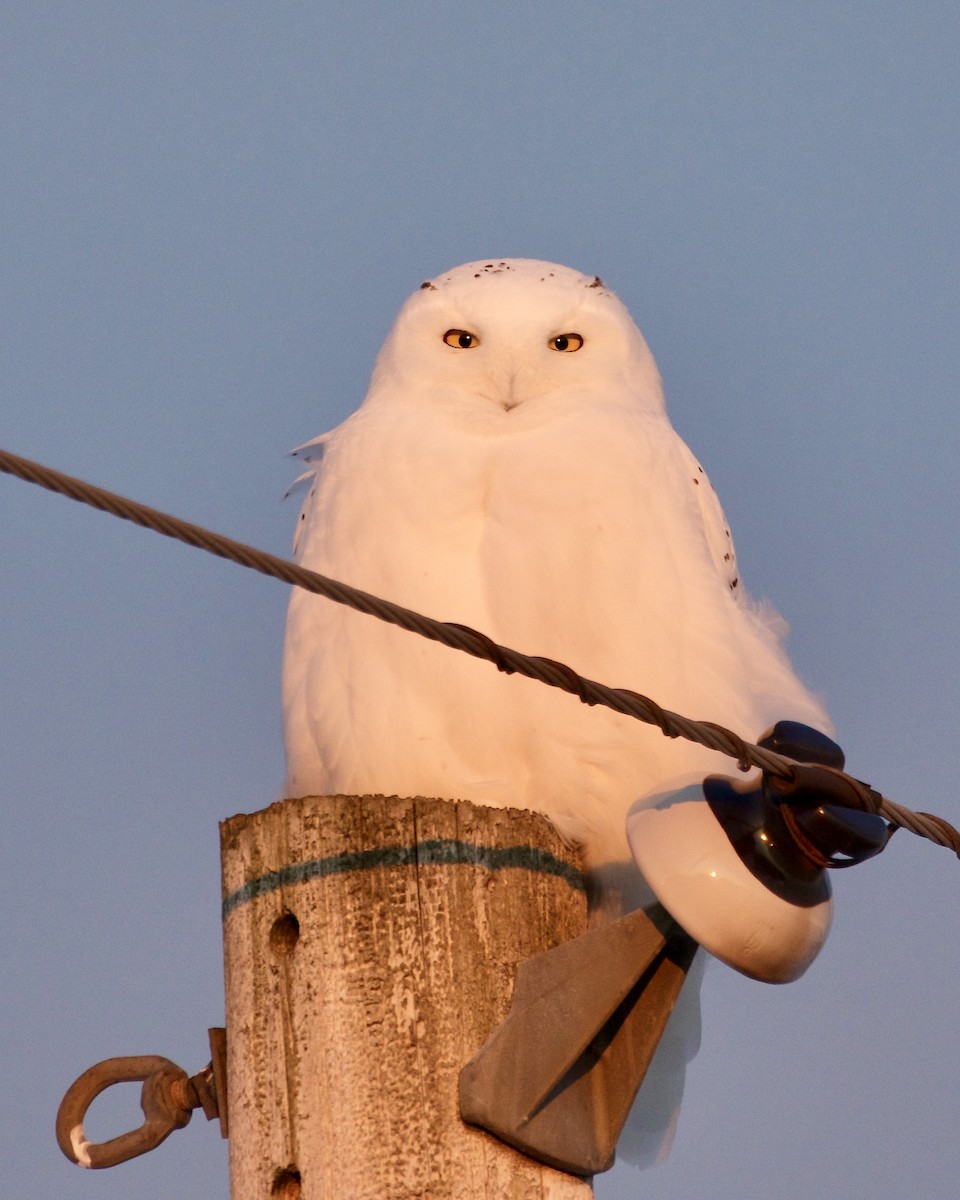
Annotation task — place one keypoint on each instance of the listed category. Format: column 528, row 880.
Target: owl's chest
column 395, row 484
column 574, row 520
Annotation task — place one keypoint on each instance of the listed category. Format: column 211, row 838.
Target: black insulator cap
column 836, row 837
column 834, row 820
column 803, row 743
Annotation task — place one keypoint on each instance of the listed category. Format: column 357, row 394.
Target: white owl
column 512, row 468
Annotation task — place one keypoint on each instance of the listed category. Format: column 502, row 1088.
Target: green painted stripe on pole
column 443, row 852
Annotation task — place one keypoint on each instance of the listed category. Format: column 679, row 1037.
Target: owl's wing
column 311, row 453
column 715, row 525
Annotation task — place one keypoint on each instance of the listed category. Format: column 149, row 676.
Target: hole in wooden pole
column 286, row 1182
column 284, row 934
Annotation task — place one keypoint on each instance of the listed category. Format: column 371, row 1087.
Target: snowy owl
column 513, row 468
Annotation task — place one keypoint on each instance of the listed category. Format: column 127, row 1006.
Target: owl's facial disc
column 515, row 334
column 511, row 369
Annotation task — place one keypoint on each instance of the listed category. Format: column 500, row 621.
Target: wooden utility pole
column 371, row 946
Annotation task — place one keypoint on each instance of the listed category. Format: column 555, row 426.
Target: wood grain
column 371, row 945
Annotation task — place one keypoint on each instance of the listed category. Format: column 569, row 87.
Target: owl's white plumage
column 543, row 498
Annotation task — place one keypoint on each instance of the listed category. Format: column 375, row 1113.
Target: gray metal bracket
column 557, row 1078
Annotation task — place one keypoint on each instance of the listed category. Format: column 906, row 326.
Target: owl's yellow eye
column 566, row 343
column 461, row 339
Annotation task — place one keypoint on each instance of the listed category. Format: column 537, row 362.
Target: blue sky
column 210, row 215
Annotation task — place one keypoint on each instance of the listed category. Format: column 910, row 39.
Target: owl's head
column 507, row 335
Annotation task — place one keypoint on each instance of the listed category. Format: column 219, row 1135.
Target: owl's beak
column 509, row 391
column 513, row 384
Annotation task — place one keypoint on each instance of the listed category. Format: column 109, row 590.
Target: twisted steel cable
column 469, row 641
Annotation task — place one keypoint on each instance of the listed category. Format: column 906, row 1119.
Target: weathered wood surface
column 360, row 981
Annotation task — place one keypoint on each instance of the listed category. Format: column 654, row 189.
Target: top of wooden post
column 371, row 948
